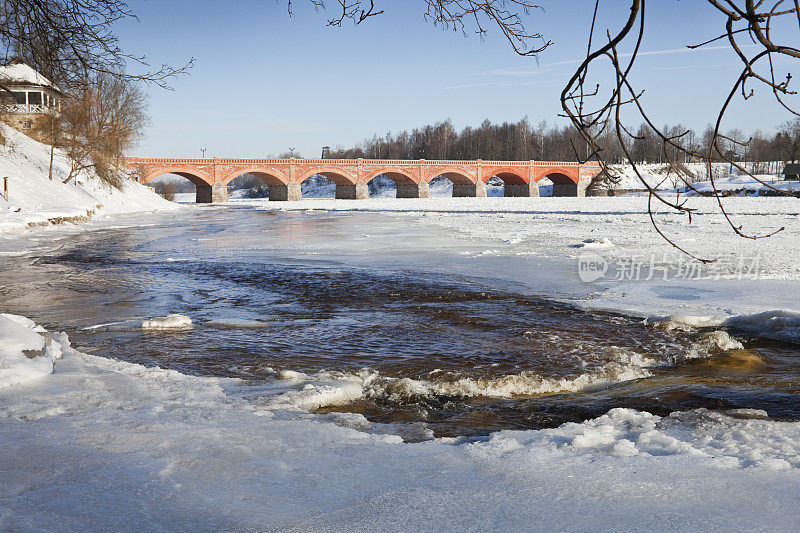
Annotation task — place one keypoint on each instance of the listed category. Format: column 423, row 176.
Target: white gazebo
column 26, row 94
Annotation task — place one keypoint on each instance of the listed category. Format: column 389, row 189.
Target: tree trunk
column 50, row 172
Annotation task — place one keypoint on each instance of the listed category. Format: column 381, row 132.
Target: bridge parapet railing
column 387, row 162
column 256, row 161
column 168, row 161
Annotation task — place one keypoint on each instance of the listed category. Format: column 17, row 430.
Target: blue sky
column 264, row 82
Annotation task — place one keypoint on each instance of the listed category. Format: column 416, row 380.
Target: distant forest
column 522, row 141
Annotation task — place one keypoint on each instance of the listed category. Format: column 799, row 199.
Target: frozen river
column 333, row 347
column 437, row 344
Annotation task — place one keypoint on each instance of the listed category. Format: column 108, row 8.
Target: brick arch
column 270, row 175
column 559, row 176
column 510, row 176
column 399, row 178
column 195, row 175
column 565, row 183
column 456, row 175
column 337, row 175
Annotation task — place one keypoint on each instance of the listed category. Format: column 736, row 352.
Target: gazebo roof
column 18, row 73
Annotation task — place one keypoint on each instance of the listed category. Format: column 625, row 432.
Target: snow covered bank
column 725, row 185
column 100, row 444
column 758, row 184
column 34, row 199
column 26, row 354
column 778, row 324
column 660, row 176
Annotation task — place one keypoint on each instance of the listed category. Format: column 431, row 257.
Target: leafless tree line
column 523, row 141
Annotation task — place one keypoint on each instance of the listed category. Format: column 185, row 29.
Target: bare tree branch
column 70, row 40
column 746, row 18
column 458, row 15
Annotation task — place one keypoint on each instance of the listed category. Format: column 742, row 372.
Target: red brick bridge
column 351, row 176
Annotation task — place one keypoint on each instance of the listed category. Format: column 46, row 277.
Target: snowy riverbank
column 36, row 200
column 177, row 452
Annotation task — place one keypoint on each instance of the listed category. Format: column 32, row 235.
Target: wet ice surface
column 391, row 324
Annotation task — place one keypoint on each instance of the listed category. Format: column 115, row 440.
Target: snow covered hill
column 657, row 175
column 35, row 200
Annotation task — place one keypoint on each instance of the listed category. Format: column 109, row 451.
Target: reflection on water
column 463, row 358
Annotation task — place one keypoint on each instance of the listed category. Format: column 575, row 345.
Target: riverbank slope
column 36, row 200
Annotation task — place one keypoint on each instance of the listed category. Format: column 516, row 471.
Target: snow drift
column 26, row 353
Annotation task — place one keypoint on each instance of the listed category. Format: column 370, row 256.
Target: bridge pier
column 358, row 191
column 413, row 190
column 282, row 193
column 525, row 190
column 569, row 189
column 211, row 194
column 463, row 190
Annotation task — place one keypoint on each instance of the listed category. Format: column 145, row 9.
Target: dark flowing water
column 455, row 353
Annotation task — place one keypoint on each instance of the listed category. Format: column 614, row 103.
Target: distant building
column 791, row 171
column 27, row 96
column 326, row 152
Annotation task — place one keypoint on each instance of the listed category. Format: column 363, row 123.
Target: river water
column 362, row 298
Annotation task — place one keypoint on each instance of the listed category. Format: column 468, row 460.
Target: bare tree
column 105, row 118
column 168, row 191
column 69, row 41
column 72, row 43
column 789, row 140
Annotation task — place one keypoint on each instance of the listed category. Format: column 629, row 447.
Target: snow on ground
column 755, row 185
column 658, row 175
column 746, row 185
column 104, row 445
column 25, row 353
column 34, row 199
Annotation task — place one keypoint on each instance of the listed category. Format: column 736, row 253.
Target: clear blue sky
column 263, row 82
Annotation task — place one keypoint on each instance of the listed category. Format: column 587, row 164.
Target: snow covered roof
column 18, row 73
